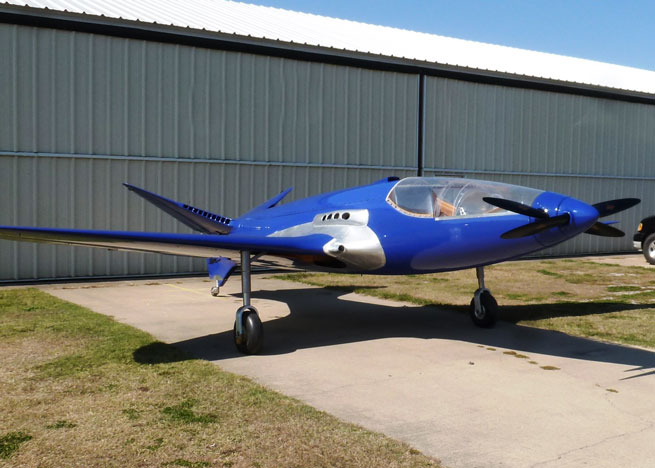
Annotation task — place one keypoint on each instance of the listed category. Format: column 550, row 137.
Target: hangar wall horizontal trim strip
column 537, row 174
column 205, row 39
column 25, row 154
column 438, row 170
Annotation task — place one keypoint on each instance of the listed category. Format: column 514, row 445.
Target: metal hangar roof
column 308, row 33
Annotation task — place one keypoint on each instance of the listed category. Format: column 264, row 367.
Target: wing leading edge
column 194, row 245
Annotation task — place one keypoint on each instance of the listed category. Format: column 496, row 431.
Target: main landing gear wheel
column 649, row 249
column 484, row 308
column 250, row 338
column 485, row 312
column 248, row 328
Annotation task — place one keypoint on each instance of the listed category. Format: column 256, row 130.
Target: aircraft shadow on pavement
column 323, row 317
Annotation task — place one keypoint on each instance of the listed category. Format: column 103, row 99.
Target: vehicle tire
column 253, row 333
column 648, row 248
column 486, row 317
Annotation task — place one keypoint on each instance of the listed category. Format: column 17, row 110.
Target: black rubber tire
column 489, row 311
column 253, row 331
column 648, row 248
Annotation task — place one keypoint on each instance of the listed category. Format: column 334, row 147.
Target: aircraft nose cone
column 583, row 215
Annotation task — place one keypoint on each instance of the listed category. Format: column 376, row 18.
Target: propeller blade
column 516, row 207
column 601, row 229
column 610, row 207
column 536, row 227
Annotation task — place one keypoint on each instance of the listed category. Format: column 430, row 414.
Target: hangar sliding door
column 83, row 113
column 590, row 148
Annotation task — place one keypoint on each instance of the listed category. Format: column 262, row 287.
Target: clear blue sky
column 614, row 31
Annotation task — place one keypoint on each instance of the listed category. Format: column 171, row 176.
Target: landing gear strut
column 484, row 307
column 248, row 329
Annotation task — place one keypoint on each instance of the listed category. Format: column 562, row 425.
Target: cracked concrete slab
column 507, row 397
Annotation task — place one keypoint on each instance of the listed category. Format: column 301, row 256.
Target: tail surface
column 197, row 219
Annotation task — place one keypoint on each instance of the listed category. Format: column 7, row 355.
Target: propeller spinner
column 544, row 221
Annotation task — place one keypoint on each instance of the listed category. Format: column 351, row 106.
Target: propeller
column 536, row 227
column 544, row 221
column 516, row 207
column 607, row 208
column 604, row 230
column 610, row 207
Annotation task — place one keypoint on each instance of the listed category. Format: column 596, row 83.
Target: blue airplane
column 391, row 227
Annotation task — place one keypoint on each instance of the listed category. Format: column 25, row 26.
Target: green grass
column 595, row 300
column 79, row 389
column 61, row 424
column 9, row 443
column 186, row 463
column 623, row 288
column 549, row 273
column 183, row 413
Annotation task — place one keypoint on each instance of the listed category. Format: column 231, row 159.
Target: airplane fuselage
column 363, row 232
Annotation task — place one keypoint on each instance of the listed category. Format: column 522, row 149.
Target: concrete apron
column 419, row 374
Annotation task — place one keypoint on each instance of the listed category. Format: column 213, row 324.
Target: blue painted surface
column 220, row 268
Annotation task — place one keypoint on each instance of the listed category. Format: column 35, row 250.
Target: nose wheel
column 248, row 328
column 484, row 308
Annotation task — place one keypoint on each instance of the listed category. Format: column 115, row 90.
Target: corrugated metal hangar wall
column 82, row 113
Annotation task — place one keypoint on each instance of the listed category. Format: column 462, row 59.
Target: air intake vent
column 207, row 214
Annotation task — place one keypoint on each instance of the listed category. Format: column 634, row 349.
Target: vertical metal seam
column 223, row 100
column 53, row 88
column 358, row 113
column 294, row 110
column 176, row 102
column 321, row 114
column 35, row 93
column 108, row 101
column 175, row 167
column 252, row 111
column 35, row 195
column 91, row 61
column 267, row 110
column 237, row 111
column 14, row 64
column 144, row 102
column 72, row 197
column 208, row 113
column 346, row 120
column 91, row 191
column 143, row 212
column 420, row 124
column 158, row 218
column 283, row 112
column 160, row 99
column 14, row 214
column 127, row 98
column 107, row 215
column 126, row 219
column 189, row 103
column 393, row 133
column 54, row 203
column 71, row 93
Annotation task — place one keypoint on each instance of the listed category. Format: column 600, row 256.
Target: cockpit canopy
column 439, row 197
